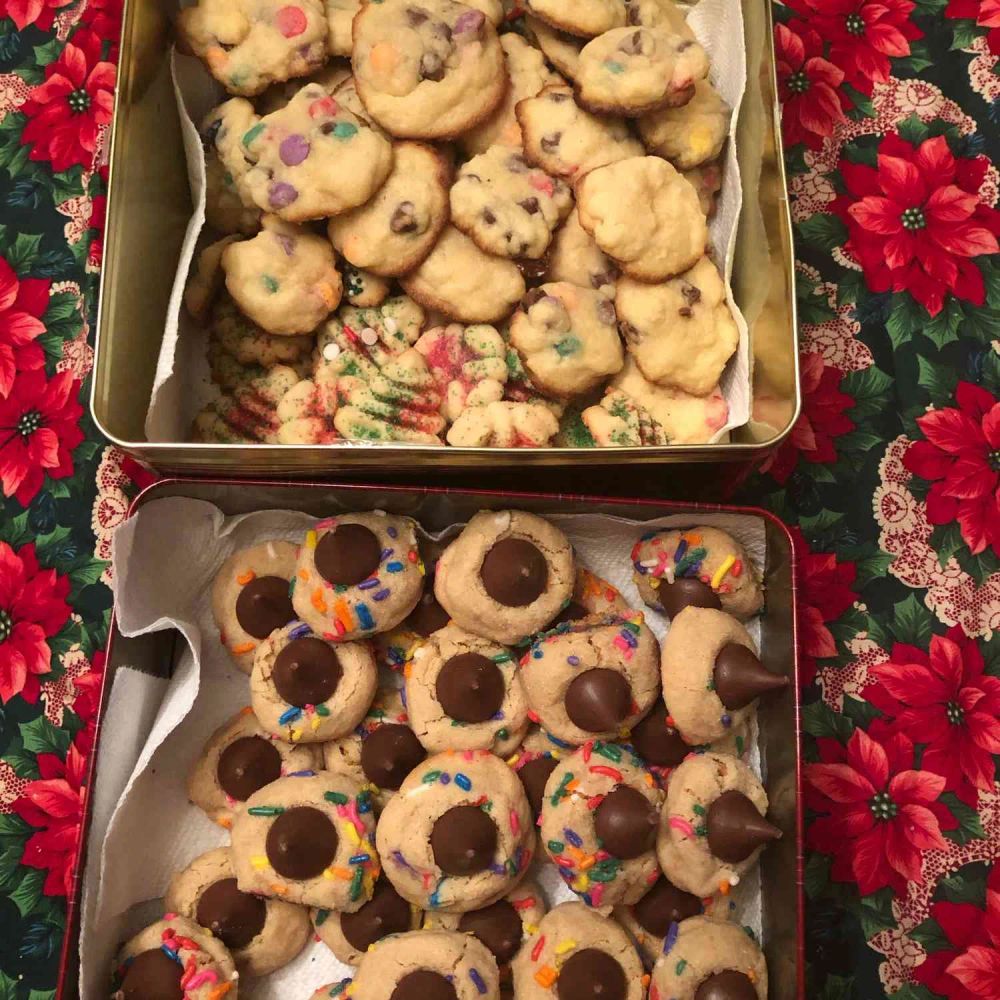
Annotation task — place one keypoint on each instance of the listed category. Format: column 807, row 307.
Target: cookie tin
column 149, row 207
column 782, row 864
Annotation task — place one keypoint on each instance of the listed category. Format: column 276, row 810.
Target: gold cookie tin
column 782, row 864
column 149, row 207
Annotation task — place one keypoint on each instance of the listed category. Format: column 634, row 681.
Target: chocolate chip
column 514, row 572
column 247, row 765
column 686, row 592
column 498, row 927
column 633, row 44
column 264, row 605
column 560, row 96
column 632, row 15
column 348, row 555
column 152, row 975
column 517, row 164
column 601, row 278
column 415, row 16
column 598, row 700
column 404, row 218
column 626, row 822
column 664, row 905
column 691, row 293
column 470, row 687
column 685, row 45
column 463, row 841
column 736, row 828
column 307, row 672
column 591, row 974
column 385, row 913
column 685, row 312
column 534, row 295
column 301, row 843
column 657, row 742
column 530, row 205
column 234, row 917
column 533, row 776
column 740, row 678
column 727, row 985
column 389, row 753
column 431, row 67
column 606, row 312
column 424, row 984
column 488, row 217
column 550, row 142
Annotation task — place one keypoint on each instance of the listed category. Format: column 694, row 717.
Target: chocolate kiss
column 736, row 828
column 741, row 678
column 727, row 985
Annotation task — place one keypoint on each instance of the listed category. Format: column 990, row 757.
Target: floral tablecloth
column 890, row 479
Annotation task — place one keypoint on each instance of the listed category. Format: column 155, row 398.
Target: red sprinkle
column 594, row 801
column 529, row 901
column 339, row 626
column 563, row 862
column 412, row 555
column 537, row 950
column 608, row 772
column 533, row 715
column 290, row 21
column 588, row 749
column 736, row 569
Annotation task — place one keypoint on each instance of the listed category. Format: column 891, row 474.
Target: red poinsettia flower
column 40, row 13
column 863, row 35
column 22, row 305
column 877, row 813
column 807, row 86
column 970, row 968
column 65, row 112
column 986, row 13
column 32, row 609
column 104, row 19
column 87, row 702
column 54, row 806
column 821, row 421
column 38, row 432
column 943, row 699
column 915, row 221
column 824, row 595
column 961, row 456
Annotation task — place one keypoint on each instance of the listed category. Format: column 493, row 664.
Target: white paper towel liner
column 144, row 829
column 182, row 385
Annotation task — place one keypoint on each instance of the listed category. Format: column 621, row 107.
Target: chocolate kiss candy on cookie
column 664, row 905
column 626, row 822
column 348, row 554
column 470, row 687
column 424, row 984
column 153, row 975
column 264, row 604
column 656, row 741
column 591, row 974
column 498, row 927
column 389, row 754
column 247, row 765
column 598, row 700
column 740, row 677
column 307, row 672
column 573, row 612
column 301, row 843
column 234, row 917
column 728, row 985
column 385, row 913
column 686, row 592
column 514, row 572
column 736, row 828
column 463, row 840
column 533, row 776
column 428, row 616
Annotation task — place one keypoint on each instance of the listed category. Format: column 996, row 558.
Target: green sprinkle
column 567, row 346
column 598, row 874
column 701, row 830
column 321, row 917
column 609, row 751
column 632, row 627
column 561, row 790
column 556, row 846
column 430, row 777
column 502, row 734
column 271, row 284
column 345, row 130
column 502, row 658
column 613, row 66
column 322, row 710
column 341, row 588
column 356, row 882
column 680, row 967
column 252, row 133
column 698, row 810
column 337, row 798
column 266, row 810
column 710, row 686
column 739, row 745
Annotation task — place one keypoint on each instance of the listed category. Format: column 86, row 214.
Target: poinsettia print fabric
column 889, row 479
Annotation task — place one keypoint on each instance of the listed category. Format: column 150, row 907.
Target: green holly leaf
column 870, row 389
column 49, row 547
column 983, row 322
column 816, row 524
column 23, row 762
column 913, row 129
column 31, row 74
column 42, row 995
column 29, row 892
column 851, row 288
column 819, row 720
column 866, row 154
column 964, row 34
column 814, row 309
column 947, row 540
column 907, row 318
column 48, row 53
column 929, row 936
column 40, row 736
column 872, row 567
column 938, row 380
column 10, row 135
column 943, row 328
column 912, row 622
column 966, row 885
column 15, row 531
column 62, row 317
column 863, row 107
column 66, row 638
column 825, row 232
column 13, row 827
column 816, row 876
column 67, row 184
column 969, row 827
column 23, row 253
column 931, row 6
column 860, row 712
column 876, row 913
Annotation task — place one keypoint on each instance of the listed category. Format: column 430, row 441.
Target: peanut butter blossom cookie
column 248, row 45
column 465, row 693
column 358, row 574
column 174, row 958
column 506, row 576
column 431, row 69
column 713, row 825
column 250, row 597
column 600, row 815
column 308, row 689
column 458, row 834
column 702, row 566
column 709, row 959
column 238, row 759
column 592, row 678
column 578, row 954
column 350, row 935
column 261, row 934
column 428, row 965
column 308, row 839
column 712, row 676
